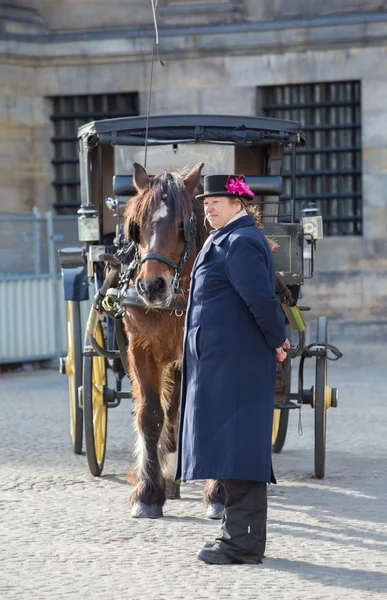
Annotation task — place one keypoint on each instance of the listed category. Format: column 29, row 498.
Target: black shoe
column 211, row 556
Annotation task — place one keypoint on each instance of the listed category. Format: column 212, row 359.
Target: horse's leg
column 170, row 435
column 214, row 496
column 148, row 496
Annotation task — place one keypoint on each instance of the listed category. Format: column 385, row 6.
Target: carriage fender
column 74, row 274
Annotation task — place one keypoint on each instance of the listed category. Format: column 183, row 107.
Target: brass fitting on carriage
column 331, row 397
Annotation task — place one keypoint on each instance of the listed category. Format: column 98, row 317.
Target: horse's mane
column 167, row 187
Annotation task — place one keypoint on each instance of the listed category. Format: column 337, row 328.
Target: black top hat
column 233, row 186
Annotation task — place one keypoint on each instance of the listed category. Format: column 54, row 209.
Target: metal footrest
column 287, row 405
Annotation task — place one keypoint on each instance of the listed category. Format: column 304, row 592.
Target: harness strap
column 131, row 298
column 161, row 258
column 121, row 343
column 312, row 350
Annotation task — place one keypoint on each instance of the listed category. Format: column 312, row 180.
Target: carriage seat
column 267, row 185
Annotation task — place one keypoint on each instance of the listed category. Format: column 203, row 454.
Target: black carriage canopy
column 169, row 129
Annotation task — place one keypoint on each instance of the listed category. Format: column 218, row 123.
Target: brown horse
column 166, row 223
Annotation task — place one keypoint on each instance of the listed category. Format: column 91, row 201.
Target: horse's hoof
column 215, row 511
column 146, row 511
column 172, row 490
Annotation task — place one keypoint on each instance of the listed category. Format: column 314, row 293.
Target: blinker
column 189, row 225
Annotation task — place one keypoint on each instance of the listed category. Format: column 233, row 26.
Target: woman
column 235, row 330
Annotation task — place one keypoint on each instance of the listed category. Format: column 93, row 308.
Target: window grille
column 329, row 167
column 69, row 113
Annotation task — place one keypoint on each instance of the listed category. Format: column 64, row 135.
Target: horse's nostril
column 152, row 289
column 141, row 285
column 160, row 284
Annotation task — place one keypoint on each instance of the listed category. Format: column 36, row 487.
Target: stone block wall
column 285, row 9
column 73, row 15
column 25, row 147
column 86, row 15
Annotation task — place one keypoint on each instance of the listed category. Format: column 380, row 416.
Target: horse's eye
column 180, row 226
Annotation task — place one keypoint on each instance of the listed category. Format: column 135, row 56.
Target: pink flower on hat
column 238, row 186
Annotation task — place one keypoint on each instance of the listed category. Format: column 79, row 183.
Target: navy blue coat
column 234, row 322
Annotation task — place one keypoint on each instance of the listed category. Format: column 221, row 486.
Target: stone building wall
column 213, row 68
column 75, row 15
column 285, row 9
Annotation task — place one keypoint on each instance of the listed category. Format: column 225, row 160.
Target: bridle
column 189, row 226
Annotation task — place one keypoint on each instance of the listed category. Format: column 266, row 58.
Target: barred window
column 69, row 113
column 329, row 167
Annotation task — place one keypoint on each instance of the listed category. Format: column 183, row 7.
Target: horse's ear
column 192, row 180
column 140, row 178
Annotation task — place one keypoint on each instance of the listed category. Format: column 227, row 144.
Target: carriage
column 258, row 148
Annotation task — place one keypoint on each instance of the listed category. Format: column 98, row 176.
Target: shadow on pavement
column 353, row 579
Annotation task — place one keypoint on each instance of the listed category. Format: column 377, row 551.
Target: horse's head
column 160, row 220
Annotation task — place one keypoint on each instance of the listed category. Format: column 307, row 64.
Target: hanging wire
column 155, row 49
column 300, row 431
column 149, row 104
column 154, row 4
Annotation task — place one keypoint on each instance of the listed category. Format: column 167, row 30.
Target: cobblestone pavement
column 65, row 534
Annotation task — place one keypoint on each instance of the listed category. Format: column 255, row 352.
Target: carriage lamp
column 311, row 221
column 114, row 205
column 88, row 226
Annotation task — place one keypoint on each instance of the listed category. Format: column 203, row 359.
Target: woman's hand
column 286, row 344
column 280, row 352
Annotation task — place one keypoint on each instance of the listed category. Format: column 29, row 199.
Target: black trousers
column 243, row 531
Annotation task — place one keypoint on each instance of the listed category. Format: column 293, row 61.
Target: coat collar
column 219, row 235
column 222, row 233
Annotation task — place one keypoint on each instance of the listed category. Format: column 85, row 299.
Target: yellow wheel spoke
column 276, row 422
column 97, row 371
column 70, row 368
column 70, row 333
column 96, row 415
column 72, row 411
column 99, row 409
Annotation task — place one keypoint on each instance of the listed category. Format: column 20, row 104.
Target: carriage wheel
column 71, row 365
column 280, row 428
column 319, row 402
column 94, row 407
column 281, row 415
